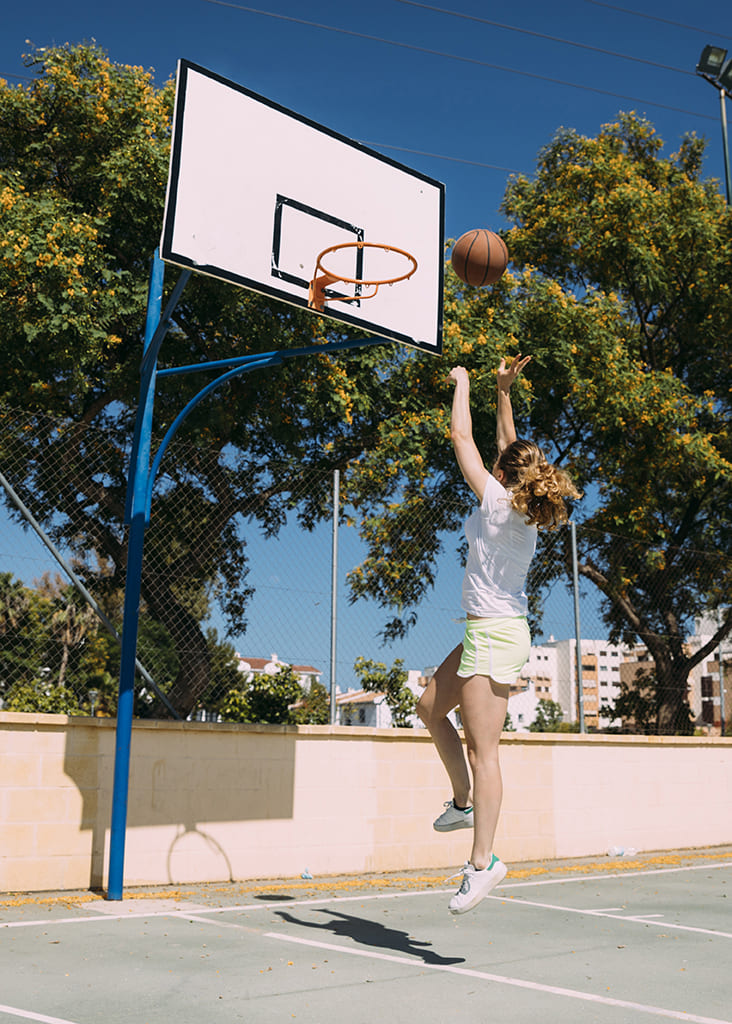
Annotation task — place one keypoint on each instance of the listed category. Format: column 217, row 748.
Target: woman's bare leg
column 483, row 704
column 441, row 695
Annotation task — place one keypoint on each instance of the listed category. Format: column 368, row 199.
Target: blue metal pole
column 136, row 517
column 334, row 598
column 154, row 305
column 137, row 514
column 274, row 358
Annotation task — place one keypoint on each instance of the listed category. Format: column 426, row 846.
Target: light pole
column 720, row 656
column 717, row 70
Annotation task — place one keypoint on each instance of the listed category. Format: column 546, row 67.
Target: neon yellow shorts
column 497, row 647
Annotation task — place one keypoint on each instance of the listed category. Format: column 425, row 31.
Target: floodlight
column 711, row 61
column 725, row 77
column 717, row 70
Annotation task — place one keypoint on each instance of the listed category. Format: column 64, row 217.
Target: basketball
column 479, row 257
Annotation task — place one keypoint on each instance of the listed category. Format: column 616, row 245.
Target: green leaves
column 612, row 214
column 549, row 717
column 375, row 677
column 264, row 698
column 619, row 289
column 84, row 156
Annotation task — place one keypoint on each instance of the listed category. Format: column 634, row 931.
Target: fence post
column 334, row 596
column 577, row 629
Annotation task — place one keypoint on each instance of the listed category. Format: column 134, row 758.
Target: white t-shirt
column 500, row 548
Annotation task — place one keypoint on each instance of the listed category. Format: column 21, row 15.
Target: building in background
column 711, row 691
column 306, row 674
column 550, row 674
column 712, row 706
column 552, row 668
column 541, row 670
column 363, row 707
column 523, row 702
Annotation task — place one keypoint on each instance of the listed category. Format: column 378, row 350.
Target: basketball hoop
column 316, row 293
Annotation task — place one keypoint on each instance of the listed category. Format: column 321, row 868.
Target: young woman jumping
column 520, row 494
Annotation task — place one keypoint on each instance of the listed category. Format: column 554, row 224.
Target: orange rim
column 362, row 280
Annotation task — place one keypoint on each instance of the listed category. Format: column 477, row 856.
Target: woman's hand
column 459, row 373
column 506, row 376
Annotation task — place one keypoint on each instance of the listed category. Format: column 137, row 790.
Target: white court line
column 13, row 1011
column 239, row 908
column 616, row 874
column 646, row 919
column 86, row 919
column 589, row 997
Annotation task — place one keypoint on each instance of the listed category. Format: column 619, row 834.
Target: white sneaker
column 452, row 817
column 476, row 885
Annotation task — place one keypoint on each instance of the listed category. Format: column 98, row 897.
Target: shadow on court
column 372, row 934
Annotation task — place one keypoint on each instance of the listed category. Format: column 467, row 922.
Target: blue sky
column 343, row 70
column 461, row 100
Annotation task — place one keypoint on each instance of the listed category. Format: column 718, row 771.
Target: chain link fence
column 238, row 575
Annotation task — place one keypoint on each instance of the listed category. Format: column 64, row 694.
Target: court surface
column 599, row 940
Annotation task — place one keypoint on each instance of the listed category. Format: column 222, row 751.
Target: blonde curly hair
column 538, row 488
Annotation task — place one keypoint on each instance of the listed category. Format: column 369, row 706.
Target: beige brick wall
column 217, row 802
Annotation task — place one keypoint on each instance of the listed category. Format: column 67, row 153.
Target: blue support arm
column 141, row 480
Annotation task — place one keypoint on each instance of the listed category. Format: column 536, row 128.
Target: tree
column 71, row 622
column 620, row 291
column 14, row 603
column 53, row 652
column 314, row 707
column 24, row 642
column 264, row 698
column 375, row 677
column 77, row 652
column 549, row 716
column 638, row 704
column 43, row 698
column 83, row 166
column 634, row 259
column 622, row 295
column 254, row 698
column 225, row 674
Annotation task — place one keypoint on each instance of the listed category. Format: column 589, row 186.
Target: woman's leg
column 483, row 704
column 441, row 695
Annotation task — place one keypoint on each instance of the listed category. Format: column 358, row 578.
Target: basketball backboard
column 257, row 192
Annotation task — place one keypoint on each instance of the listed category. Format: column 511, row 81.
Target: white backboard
column 256, row 192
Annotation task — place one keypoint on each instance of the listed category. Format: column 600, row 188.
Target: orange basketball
column 479, row 257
